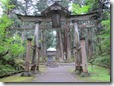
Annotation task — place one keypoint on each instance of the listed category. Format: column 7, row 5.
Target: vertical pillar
column 84, row 58
column 23, row 35
column 68, row 41
column 89, row 45
column 65, row 45
column 42, row 46
column 45, row 47
column 36, row 45
column 39, row 52
column 37, row 34
column 61, row 46
column 27, row 60
column 58, row 55
column 77, row 51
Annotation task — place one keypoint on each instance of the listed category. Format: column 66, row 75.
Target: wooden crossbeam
column 47, row 19
column 50, row 27
column 88, row 16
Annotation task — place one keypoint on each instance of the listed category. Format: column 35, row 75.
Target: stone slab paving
column 57, row 74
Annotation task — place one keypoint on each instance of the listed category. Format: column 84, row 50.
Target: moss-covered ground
column 97, row 74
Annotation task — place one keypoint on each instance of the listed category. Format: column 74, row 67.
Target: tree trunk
column 84, row 57
column 68, row 45
column 61, row 46
column 23, row 35
column 36, row 45
column 89, row 45
column 45, row 47
column 58, row 55
column 65, row 44
column 42, row 46
column 77, row 52
column 27, row 62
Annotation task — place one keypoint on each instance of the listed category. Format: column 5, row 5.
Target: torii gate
column 58, row 14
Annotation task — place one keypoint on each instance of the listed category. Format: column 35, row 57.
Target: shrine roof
column 56, row 7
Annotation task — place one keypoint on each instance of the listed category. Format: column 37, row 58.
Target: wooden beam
column 29, row 18
column 88, row 16
column 50, row 27
column 25, row 18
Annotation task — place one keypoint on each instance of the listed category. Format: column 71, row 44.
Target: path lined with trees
column 57, row 74
column 14, row 34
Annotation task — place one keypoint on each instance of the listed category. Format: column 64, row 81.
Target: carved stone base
column 85, row 74
column 28, row 74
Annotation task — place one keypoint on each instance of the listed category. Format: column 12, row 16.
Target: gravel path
column 57, row 74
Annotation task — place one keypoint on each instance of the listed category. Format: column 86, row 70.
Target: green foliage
column 106, row 24
column 16, row 48
column 17, row 79
column 93, row 4
column 20, row 62
column 97, row 74
column 6, row 6
column 12, row 45
column 80, row 10
column 50, row 39
column 105, row 37
column 6, row 69
column 4, row 23
column 102, row 61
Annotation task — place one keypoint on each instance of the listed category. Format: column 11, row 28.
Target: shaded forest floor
column 97, row 74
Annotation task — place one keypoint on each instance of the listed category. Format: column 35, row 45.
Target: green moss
column 17, row 79
column 97, row 74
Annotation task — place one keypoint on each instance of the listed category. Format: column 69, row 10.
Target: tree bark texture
column 78, row 58
column 84, row 57
column 27, row 61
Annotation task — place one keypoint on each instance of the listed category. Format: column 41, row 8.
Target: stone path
column 57, row 74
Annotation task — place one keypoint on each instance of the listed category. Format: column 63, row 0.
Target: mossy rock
column 27, row 74
column 85, row 74
column 77, row 72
